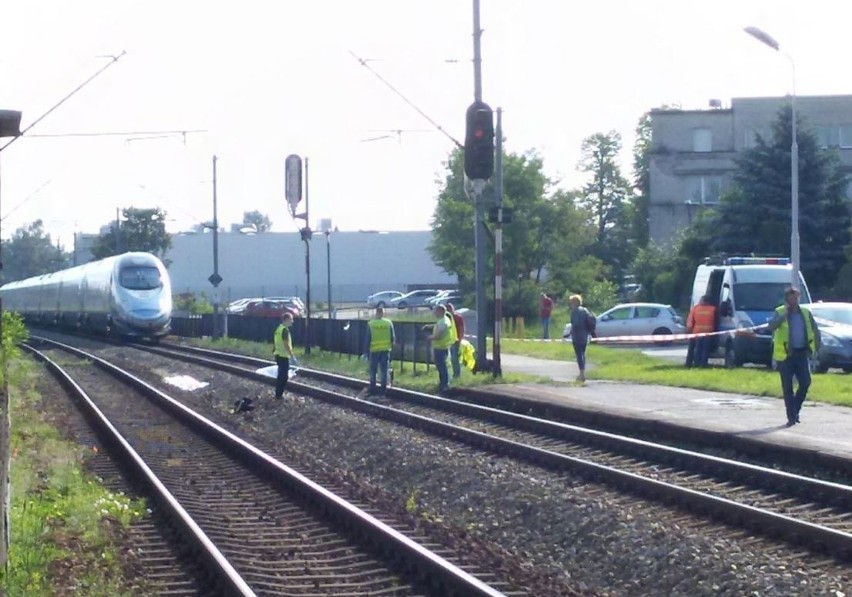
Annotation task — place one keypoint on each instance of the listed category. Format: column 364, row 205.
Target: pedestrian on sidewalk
column 545, row 309
column 380, row 339
column 582, row 327
column 795, row 339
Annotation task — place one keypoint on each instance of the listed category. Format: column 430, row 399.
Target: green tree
column 31, row 252
column 547, row 231
column 261, row 222
column 755, row 216
column 141, row 230
column 607, row 198
column 641, row 181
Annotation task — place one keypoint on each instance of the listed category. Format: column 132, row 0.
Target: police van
column 745, row 291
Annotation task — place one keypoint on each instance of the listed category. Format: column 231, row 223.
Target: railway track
column 255, row 525
column 795, row 508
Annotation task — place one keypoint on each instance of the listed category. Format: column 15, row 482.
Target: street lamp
column 768, row 40
column 325, row 226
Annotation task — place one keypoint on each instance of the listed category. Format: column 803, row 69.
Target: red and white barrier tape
column 643, row 338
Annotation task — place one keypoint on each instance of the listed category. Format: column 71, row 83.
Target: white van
column 746, row 291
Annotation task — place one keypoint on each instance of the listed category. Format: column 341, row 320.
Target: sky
column 267, row 78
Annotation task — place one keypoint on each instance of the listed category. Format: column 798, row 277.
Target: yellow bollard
column 520, row 328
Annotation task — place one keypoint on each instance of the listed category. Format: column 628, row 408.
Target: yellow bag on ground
column 467, row 354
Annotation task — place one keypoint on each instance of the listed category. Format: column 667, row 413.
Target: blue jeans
column 795, row 365
column 440, row 355
column 702, row 351
column 379, row 359
column 454, row 359
column 580, row 351
column 545, row 327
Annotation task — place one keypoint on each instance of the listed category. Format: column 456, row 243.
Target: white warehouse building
column 273, row 264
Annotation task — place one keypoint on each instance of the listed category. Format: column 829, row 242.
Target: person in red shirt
column 545, row 309
column 454, row 349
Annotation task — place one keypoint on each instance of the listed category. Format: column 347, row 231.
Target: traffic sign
column 215, row 279
column 293, row 181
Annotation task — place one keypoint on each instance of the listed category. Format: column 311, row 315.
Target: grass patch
column 406, row 375
column 62, row 521
column 630, row 364
column 605, row 362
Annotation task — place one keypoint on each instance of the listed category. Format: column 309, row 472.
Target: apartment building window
column 703, row 190
column 829, row 136
column 845, row 136
column 702, row 140
column 750, row 138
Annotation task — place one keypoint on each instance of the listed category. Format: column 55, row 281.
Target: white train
column 125, row 295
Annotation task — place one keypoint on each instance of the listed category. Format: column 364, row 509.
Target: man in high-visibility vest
column 283, row 352
column 443, row 336
column 458, row 321
column 795, row 339
column 701, row 319
column 381, row 338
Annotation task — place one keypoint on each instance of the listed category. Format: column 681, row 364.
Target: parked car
column 269, row 308
column 636, row 319
column 383, row 298
column 238, row 306
column 835, row 328
column 294, row 302
column 443, row 297
column 415, row 298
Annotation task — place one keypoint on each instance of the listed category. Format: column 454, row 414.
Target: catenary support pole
column 498, row 246
column 216, row 331
column 479, row 230
column 306, row 236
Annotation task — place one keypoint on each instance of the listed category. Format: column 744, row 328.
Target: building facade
column 693, row 152
column 274, row 264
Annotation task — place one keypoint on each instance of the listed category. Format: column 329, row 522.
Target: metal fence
column 342, row 336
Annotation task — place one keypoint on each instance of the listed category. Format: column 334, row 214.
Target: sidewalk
column 824, row 428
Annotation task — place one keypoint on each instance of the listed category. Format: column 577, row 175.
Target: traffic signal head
column 479, row 142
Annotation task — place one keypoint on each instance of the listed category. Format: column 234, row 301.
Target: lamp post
column 328, row 267
column 768, row 40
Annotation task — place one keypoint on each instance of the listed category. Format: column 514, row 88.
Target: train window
column 140, row 278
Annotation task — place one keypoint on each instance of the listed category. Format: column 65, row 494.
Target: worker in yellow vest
column 381, row 338
column 443, row 337
column 283, row 352
column 795, row 339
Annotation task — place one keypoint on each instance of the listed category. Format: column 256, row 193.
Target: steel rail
column 432, row 569
column 837, row 542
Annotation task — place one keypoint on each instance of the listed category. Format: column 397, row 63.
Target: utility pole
column 10, row 126
column 215, row 279
column 117, row 232
column 306, row 236
column 497, row 369
column 479, row 164
column 293, row 195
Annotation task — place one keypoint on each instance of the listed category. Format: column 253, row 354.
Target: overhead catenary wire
column 363, row 63
column 66, row 98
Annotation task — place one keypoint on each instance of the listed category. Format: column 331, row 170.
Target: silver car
column 383, row 298
column 636, row 319
column 415, row 298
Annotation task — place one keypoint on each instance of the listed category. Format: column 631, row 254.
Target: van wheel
column 731, row 359
column 380, row 305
